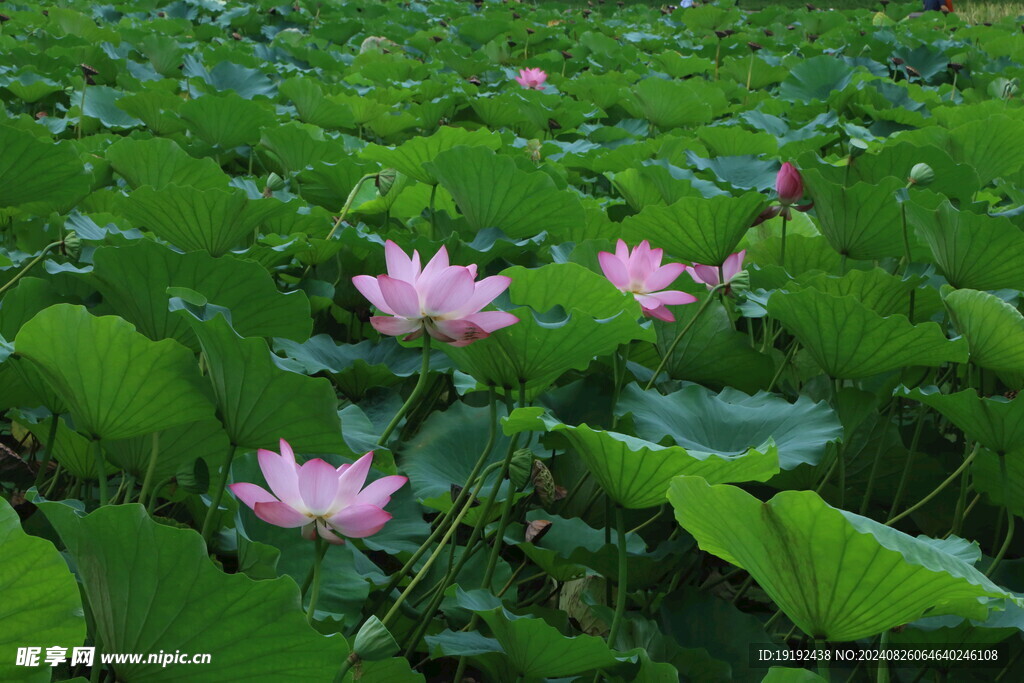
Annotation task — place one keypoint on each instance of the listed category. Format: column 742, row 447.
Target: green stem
column 314, row 591
column 39, row 257
column 620, row 598
column 1010, row 518
column 679, row 337
column 433, row 212
column 442, row 525
column 53, row 483
column 344, row 212
column 218, row 495
column 782, row 256
column 866, row 500
column 417, row 391
column 905, row 476
column 51, row 438
column 150, row 468
column 950, row 479
column 101, row 470
column 433, row 556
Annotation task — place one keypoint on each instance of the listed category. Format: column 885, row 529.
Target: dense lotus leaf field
column 437, row 341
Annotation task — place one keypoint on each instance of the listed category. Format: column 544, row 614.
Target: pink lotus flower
column 532, row 79
column 442, row 299
column 319, row 497
column 789, row 185
column 642, row 274
column 709, row 275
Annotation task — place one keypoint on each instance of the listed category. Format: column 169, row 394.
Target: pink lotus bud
column 789, row 184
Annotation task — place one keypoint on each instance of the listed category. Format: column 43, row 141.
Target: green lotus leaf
column 711, row 352
column 41, row 605
column 199, row 220
column 815, row 79
column 227, row 120
column 296, row 146
column 34, row 170
column 994, row 329
column 1001, row 482
column 861, row 221
column 260, row 403
column 313, row 107
column 446, row 447
column 75, row 453
column 993, row 147
column 101, row 104
column 491, row 192
column 995, row 422
column 650, row 185
column 972, row 250
column 134, row 280
column 533, row 648
column 837, row 575
column 412, row 156
column 636, row 473
column 671, row 104
column 159, row 162
column 177, row 448
column 116, row 383
column 152, row 587
column 732, row 423
column 694, row 228
column 536, row 351
column 358, row 368
column 849, row 340
column 883, row 293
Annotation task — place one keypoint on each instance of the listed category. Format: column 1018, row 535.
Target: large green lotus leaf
column 849, row 340
column 896, row 160
column 996, row 422
column 635, row 473
column 1002, row 483
column 313, row 107
column 993, row 147
column 815, row 79
column 537, row 350
column 259, row 402
column 101, row 104
column 41, row 605
column 731, row 422
column 711, row 352
column 446, row 447
column 411, row 156
column 994, row 329
column 535, row 649
column 198, row 220
column 226, row 120
column 972, row 250
column 491, row 192
column 22, row 383
column 357, row 368
column 156, row 109
column 694, row 228
column 328, row 184
column 159, row 162
column 177, row 448
column 860, row 222
column 650, row 185
column 34, row 170
column 837, row 575
column 22, row 302
column 671, row 104
column 116, row 382
column 294, row 146
column 152, row 587
column 529, row 647
column 883, row 293
column 134, row 279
